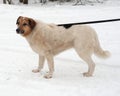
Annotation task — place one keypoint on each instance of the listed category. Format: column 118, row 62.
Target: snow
column 17, row 58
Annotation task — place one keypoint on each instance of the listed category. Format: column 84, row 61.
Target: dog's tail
column 102, row 53
column 99, row 51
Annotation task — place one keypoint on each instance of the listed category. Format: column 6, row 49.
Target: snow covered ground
column 17, row 59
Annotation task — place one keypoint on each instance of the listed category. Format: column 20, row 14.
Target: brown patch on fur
column 32, row 23
column 17, row 22
column 26, row 24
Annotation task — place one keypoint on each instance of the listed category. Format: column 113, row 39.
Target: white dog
column 49, row 40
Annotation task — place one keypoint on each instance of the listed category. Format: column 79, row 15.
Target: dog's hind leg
column 91, row 66
column 87, row 58
column 40, row 65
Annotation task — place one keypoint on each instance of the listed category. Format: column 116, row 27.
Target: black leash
column 88, row 22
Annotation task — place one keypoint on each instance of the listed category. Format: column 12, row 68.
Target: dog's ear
column 32, row 23
column 18, row 19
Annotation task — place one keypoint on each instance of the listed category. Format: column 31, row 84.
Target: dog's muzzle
column 19, row 31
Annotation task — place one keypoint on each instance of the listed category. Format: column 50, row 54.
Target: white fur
column 49, row 40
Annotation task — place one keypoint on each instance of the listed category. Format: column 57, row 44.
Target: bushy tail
column 101, row 53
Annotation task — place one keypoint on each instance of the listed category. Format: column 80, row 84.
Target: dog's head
column 25, row 25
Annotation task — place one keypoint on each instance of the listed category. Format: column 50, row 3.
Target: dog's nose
column 18, row 30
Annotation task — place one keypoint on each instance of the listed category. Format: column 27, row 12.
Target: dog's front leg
column 50, row 62
column 40, row 65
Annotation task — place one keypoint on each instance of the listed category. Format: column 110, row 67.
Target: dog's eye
column 24, row 24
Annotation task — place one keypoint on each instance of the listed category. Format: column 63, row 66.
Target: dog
column 48, row 40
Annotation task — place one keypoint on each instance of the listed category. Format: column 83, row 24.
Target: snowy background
column 17, row 59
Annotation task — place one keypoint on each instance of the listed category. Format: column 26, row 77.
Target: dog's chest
column 36, row 46
column 37, row 49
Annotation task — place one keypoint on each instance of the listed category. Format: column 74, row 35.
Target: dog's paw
column 48, row 75
column 87, row 74
column 35, row 70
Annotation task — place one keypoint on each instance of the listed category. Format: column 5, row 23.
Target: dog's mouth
column 19, row 31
